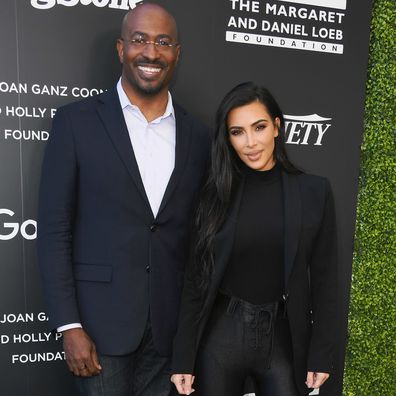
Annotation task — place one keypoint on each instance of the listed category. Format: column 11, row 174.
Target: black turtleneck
column 255, row 270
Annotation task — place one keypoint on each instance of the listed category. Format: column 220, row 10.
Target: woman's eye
column 260, row 127
column 235, row 132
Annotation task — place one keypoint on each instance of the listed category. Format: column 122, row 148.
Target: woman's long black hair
column 224, row 174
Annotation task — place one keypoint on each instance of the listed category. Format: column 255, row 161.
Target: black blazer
column 105, row 260
column 310, row 260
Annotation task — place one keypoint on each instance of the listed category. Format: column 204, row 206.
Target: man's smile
column 149, row 69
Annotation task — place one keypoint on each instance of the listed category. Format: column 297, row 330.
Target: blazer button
column 153, row 228
column 148, row 268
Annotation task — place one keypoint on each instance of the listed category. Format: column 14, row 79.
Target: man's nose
column 150, row 50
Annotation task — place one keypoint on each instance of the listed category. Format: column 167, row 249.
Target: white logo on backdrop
column 117, row 4
column 36, row 112
column 281, row 24
column 306, row 130
column 340, row 4
column 28, row 228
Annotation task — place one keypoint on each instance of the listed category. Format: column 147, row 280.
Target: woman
column 260, row 288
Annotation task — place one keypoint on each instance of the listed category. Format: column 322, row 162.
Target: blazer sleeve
column 57, row 203
column 186, row 340
column 324, row 292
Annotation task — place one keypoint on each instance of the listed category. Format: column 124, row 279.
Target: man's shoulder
column 88, row 104
column 192, row 120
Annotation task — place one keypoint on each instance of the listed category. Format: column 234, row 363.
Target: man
column 120, row 176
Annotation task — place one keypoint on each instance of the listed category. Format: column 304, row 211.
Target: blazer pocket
column 93, row 272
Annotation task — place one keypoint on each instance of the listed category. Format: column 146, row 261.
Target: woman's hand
column 183, row 383
column 315, row 380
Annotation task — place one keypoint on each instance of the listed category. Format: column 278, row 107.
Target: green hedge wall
column 371, row 353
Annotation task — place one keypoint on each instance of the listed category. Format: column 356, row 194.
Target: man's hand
column 183, row 383
column 315, row 380
column 81, row 356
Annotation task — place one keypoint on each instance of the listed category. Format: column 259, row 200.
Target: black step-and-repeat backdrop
column 312, row 54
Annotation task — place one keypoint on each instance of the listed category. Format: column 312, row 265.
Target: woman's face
column 252, row 135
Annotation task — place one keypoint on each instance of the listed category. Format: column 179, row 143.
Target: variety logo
column 309, row 129
column 117, row 4
column 28, row 228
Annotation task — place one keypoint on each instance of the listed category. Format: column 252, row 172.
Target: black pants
column 244, row 340
column 141, row 373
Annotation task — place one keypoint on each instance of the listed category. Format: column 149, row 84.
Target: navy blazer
column 105, row 261
column 310, row 262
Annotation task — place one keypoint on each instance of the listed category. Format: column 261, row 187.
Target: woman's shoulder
column 313, row 182
column 312, row 178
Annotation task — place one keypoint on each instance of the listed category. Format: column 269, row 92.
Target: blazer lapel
column 224, row 239
column 110, row 112
column 292, row 221
column 183, row 138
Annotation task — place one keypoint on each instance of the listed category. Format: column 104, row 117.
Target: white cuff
column 68, row 327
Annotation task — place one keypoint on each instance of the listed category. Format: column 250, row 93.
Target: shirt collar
column 125, row 102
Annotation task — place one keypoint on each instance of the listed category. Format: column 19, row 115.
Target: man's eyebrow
column 138, row 33
column 164, row 35
column 142, row 34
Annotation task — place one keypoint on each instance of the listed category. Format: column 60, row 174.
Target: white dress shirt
column 154, row 145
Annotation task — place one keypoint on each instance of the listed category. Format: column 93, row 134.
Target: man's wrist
column 69, row 326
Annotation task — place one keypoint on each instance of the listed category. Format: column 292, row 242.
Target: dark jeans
column 141, row 373
column 245, row 340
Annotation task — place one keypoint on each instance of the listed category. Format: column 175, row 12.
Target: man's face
column 148, row 68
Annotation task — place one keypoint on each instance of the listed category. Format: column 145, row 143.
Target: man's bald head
column 142, row 9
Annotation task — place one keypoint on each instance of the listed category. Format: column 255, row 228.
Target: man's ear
column 178, row 49
column 120, row 49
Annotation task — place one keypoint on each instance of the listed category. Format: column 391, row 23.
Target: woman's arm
column 316, row 380
column 185, row 342
column 323, row 272
column 183, row 383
